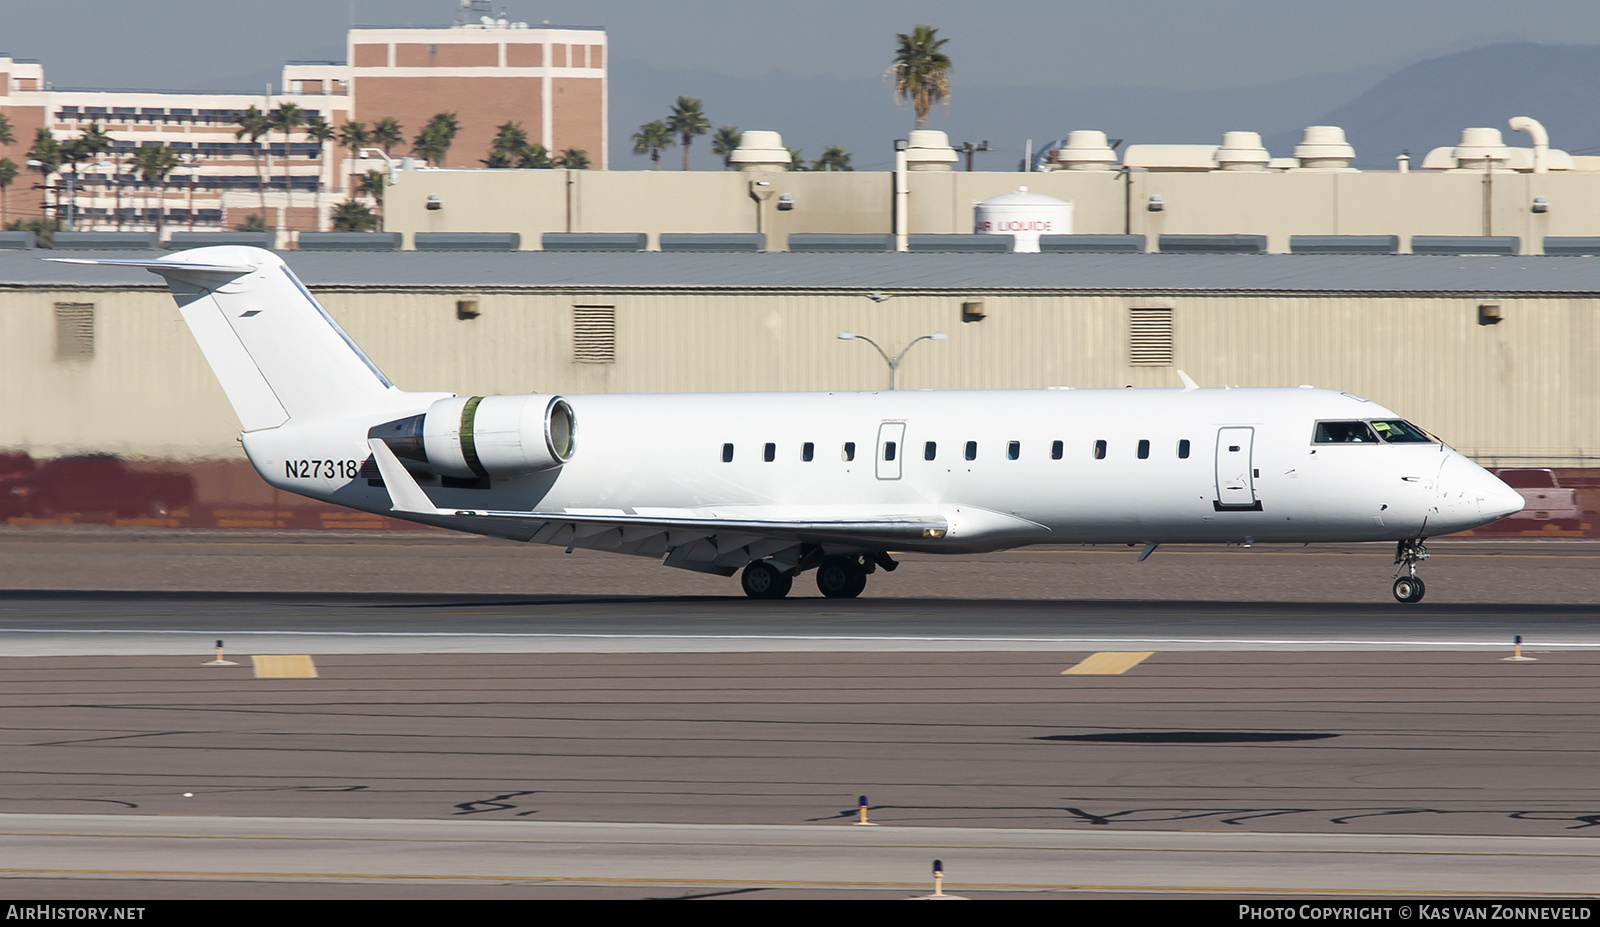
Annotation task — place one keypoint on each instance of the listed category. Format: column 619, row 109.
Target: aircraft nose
column 1471, row 493
column 1495, row 498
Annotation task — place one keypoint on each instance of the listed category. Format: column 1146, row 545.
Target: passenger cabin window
column 849, row 452
column 727, row 453
column 770, row 452
column 1144, row 449
column 888, row 450
column 930, row 451
column 972, row 450
column 1100, row 450
column 1396, row 431
column 1013, row 450
column 1344, row 433
column 1183, row 449
column 1056, row 450
column 808, row 451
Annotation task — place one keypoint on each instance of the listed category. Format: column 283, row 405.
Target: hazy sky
column 232, row 44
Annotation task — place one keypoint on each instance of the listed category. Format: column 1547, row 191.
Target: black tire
column 1409, row 589
column 841, row 578
column 762, row 580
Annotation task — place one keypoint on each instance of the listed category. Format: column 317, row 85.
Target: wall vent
column 74, row 331
column 594, row 334
column 1150, row 337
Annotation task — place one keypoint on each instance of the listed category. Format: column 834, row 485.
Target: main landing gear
column 837, row 577
column 762, row 580
column 1409, row 588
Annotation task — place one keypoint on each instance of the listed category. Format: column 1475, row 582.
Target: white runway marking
column 19, row 642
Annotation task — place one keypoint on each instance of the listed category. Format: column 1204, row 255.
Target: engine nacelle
column 483, row 436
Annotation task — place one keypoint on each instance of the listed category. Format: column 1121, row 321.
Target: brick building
column 487, row 72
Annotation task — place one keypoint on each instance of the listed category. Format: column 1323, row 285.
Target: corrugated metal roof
column 1087, row 273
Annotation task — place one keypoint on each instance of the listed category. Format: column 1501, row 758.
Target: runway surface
column 64, row 623
column 332, row 857
column 689, row 728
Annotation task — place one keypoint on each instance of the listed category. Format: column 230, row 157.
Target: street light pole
column 893, row 362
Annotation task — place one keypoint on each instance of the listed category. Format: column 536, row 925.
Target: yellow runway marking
column 284, row 666
column 1109, row 663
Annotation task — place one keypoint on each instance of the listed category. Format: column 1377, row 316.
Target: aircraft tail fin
column 277, row 352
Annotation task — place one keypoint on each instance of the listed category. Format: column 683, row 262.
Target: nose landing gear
column 1409, row 588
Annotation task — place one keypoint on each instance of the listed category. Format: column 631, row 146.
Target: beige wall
column 1524, row 391
column 1277, row 205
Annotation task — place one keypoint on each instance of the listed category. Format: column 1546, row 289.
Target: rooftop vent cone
column 760, row 151
column 1086, row 150
column 1323, row 148
column 1481, row 149
column 1023, row 215
column 929, row 150
column 1242, row 151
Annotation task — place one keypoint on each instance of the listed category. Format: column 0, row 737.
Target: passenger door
column 1236, row 486
column 891, row 449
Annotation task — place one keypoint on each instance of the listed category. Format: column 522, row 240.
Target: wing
column 716, row 539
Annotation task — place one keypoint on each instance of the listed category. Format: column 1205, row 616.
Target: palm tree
column 321, row 133
column 688, row 119
column 650, row 139
column 834, row 158
column 353, row 216
column 921, row 71
column 573, row 159
column 90, row 144
column 253, row 123
column 535, row 157
column 7, row 134
column 8, row 173
column 386, row 133
column 797, row 159
column 153, row 163
column 372, row 185
column 354, row 136
column 288, row 117
column 433, row 142
column 510, row 141
column 45, row 157
column 725, row 143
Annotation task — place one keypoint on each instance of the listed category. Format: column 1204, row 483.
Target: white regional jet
column 777, row 484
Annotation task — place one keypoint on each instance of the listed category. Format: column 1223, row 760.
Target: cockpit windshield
column 1344, row 433
column 1389, row 431
column 1397, row 431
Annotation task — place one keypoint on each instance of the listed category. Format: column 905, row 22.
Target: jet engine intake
column 481, row 436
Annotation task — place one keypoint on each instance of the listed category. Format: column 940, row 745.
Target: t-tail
column 278, row 354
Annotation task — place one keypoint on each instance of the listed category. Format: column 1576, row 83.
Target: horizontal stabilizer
column 164, row 266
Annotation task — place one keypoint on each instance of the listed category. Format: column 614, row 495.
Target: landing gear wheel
column 841, row 578
column 1409, row 589
column 762, row 580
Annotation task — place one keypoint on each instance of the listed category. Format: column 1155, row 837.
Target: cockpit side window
column 1343, row 433
column 1398, row 431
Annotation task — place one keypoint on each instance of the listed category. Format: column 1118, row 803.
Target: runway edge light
column 219, row 661
column 1516, row 654
column 938, row 886
column 862, row 821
